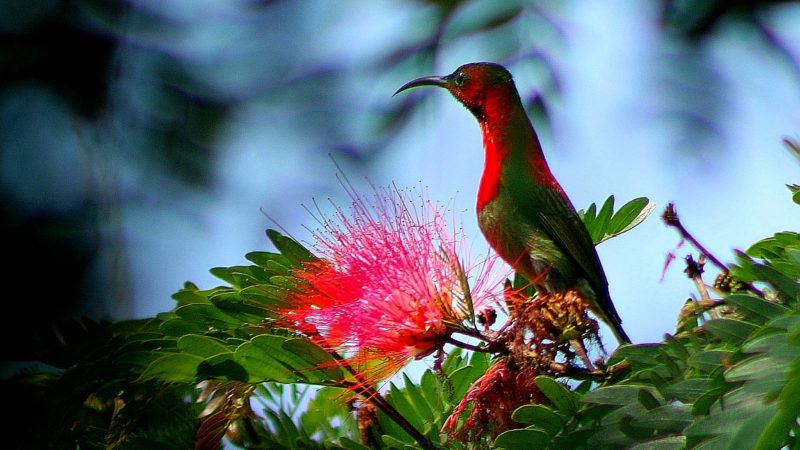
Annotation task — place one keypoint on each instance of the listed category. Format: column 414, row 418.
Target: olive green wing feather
column 547, row 207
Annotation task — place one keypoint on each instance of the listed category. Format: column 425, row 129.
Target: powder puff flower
column 391, row 283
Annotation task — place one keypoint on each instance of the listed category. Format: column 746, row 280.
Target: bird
column 524, row 213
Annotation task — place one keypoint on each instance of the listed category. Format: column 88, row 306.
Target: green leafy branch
column 606, row 224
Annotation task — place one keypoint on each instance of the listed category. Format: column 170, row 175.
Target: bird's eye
column 458, row 80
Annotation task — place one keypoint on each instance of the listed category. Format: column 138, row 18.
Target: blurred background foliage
column 116, row 113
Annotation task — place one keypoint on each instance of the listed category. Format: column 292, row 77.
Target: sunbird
column 523, row 211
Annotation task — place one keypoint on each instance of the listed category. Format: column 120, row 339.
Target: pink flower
column 389, row 285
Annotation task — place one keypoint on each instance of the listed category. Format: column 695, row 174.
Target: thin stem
column 464, row 345
column 366, row 389
column 580, row 349
column 697, row 277
column 671, row 218
column 471, row 333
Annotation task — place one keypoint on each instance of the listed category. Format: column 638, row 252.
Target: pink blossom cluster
column 390, row 284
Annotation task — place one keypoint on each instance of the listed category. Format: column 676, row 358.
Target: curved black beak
column 424, row 81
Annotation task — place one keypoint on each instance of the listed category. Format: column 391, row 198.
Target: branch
column 694, row 270
column 582, row 373
column 366, row 389
column 670, row 217
column 464, row 345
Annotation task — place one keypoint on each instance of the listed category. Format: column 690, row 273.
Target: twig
column 582, row 373
column 580, row 349
column 471, row 332
column 364, row 388
column 464, row 345
column 670, row 217
column 694, row 270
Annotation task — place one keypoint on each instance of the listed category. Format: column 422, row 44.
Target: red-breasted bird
column 522, row 210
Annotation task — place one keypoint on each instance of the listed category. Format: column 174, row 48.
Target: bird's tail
column 603, row 307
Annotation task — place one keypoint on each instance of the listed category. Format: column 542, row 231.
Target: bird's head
column 476, row 85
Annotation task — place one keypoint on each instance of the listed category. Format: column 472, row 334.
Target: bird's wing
column 558, row 218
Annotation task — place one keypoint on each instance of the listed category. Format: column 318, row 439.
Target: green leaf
column 619, row 395
column 417, row 400
column 429, row 385
column 727, row 415
column 615, row 429
column 350, row 444
column 574, row 439
column 606, row 224
column 666, row 443
column 291, row 249
column 522, row 440
column 191, row 294
column 237, row 276
column 670, row 417
column 207, row 316
column 676, row 347
column 778, row 428
column 687, row 390
column 393, row 442
column 648, row 400
column 222, row 366
column 540, row 416
column 285, row 428
column 315, row 356
column 589, row 216
column 708, row 361
column 462, row 378
column 273, row 262
column 787, row 322
column 329, row 415
column 288, row 283
column 715, row 443
column 202, row 346
column 629, row 216
column 793, row 255
column 756, row 367
column 731, row 331
column 774, row 247
column 266, row 297
column 756, row 309
column 639, row 355
column 562, row 398
column 706, row 400
column 749, row 270
column 600, row 225
column 626, row 425
column 233, row 304
column 453, row 361
column 173, row 368
column 405, row 407
column 267, row 358
column 177, row 326
column 673, row 365
column 750, row 429
column 764, row 343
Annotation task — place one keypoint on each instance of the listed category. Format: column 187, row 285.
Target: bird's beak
column 424, row 81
